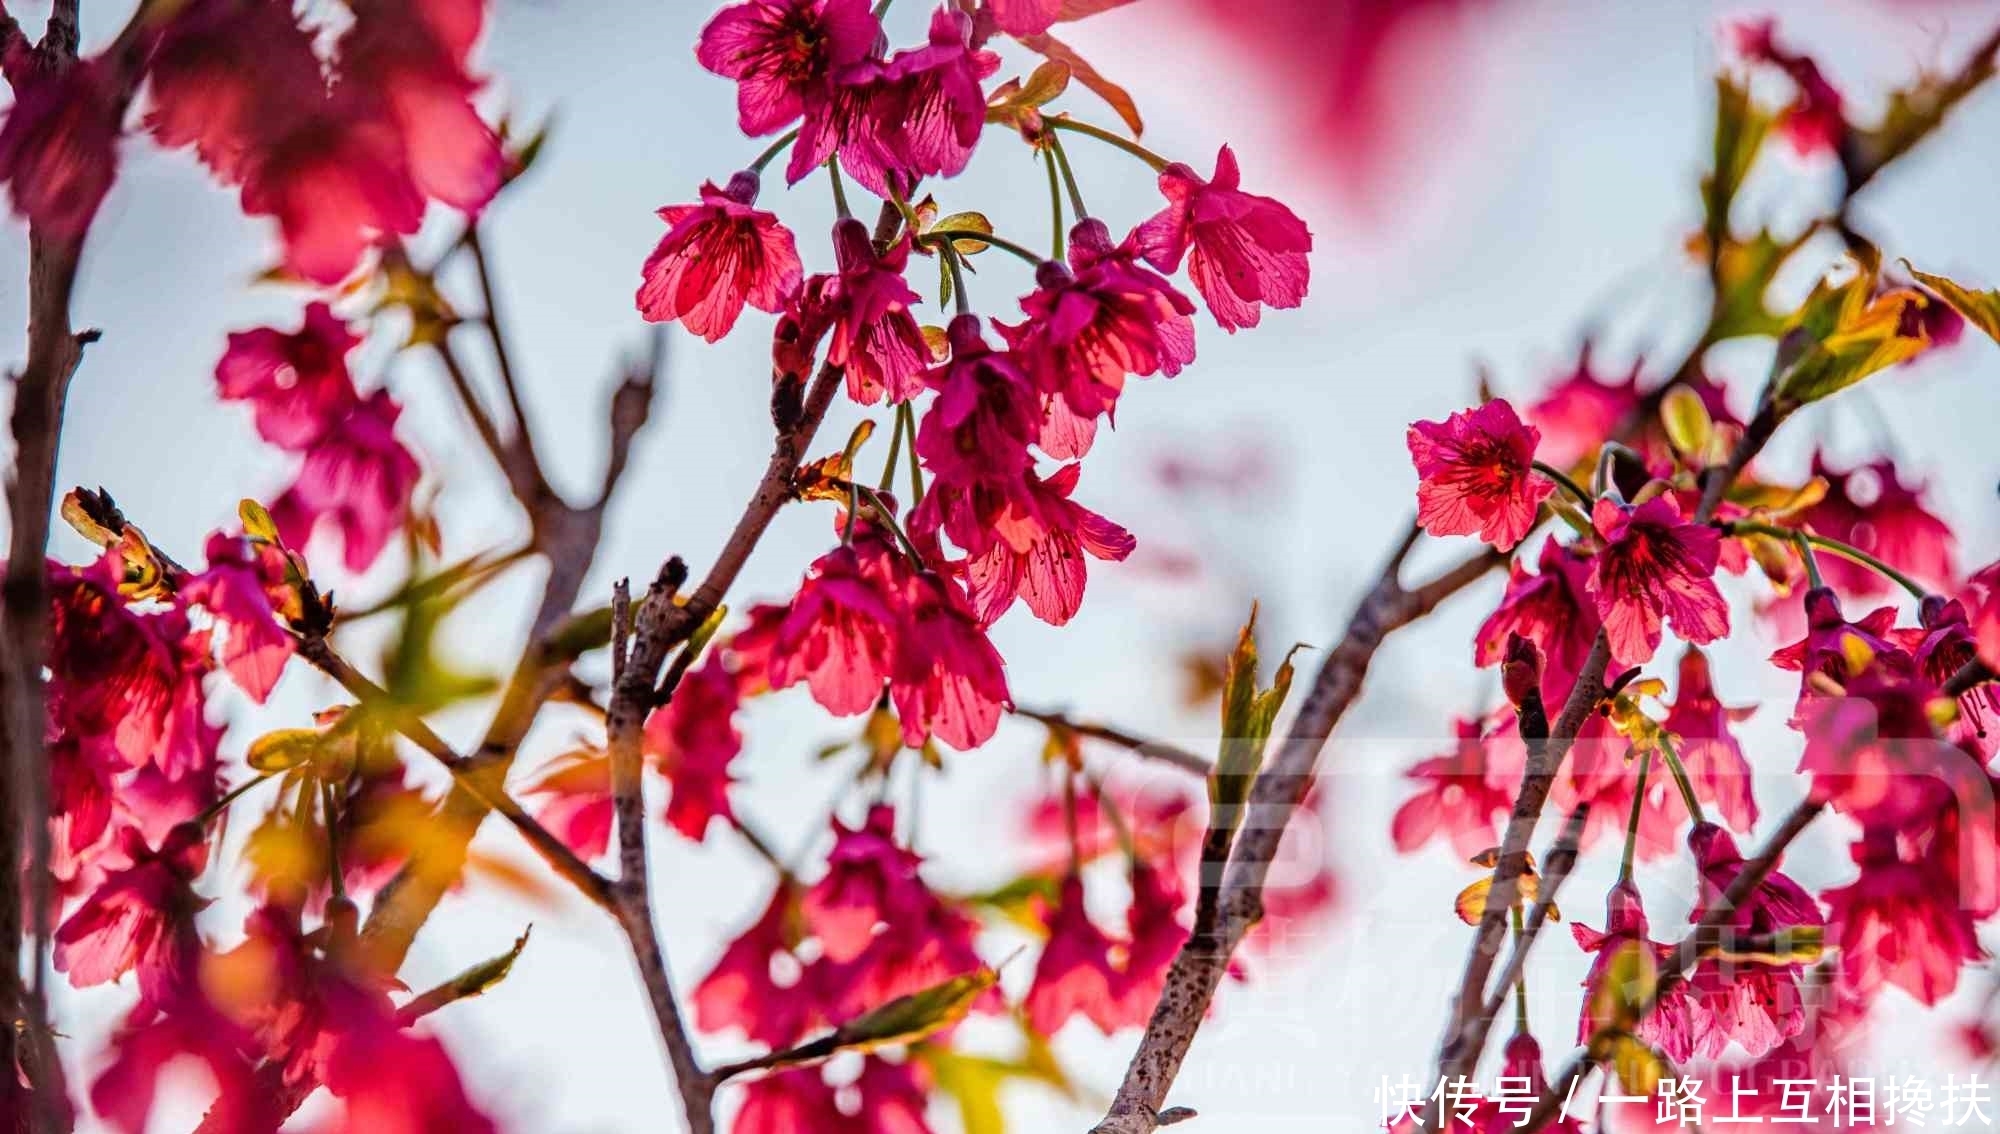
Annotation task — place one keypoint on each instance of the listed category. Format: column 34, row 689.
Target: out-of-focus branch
column 1555, row 871
column 1137, row 745
column 523, row 439
column 1275, row 797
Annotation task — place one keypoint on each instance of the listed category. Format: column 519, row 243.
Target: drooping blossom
column 784, row 54
column 692, row 739
column 1813, row 122
column 1582, row 410
column 1871, row 508
column 1090, row 325
column 1025, row 17
column 337, row 183
column 1039, row 555
column 1075, row 975
column 1874, row 753
column 1474, row 475
column 139, row 919
column 236, row 590
column 575, row 794
column 59, row 145
column 979, row 429
column 1553, row 609
column 790, row 1102
column 1655, row 566
column 1755, row 1004
column 874, row 338
column 1458, row 800
column 151, row 1040
column 1942, row 647
column 1981, row 598
column 359, row 479
column 1707, row 748
column 949, row 681
column 297, row 383
column 715, row 258
column 414, row 63
column 1671, row 1025
column 228, row 79
column 747, row 988
column 841, row 634
column 1154, row 934
column 1833, row 644
column 870, row 880
column 1242, row 250
column 1900, row 923
column 395, row 1081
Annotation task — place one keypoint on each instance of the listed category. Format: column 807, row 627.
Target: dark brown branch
column 1140, row 1104
column 1555, row 871
column 632, row 697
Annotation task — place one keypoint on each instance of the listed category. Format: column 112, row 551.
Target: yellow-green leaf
column 284, row 749
column 480, row 977
column 907, row 1019
column 1798, row 945
column 1740, row 129
column 1845, row 332
column 1247, row 716
column 965, row 222
column 1638, row 1066
column 257, row 523
column 1980, row 308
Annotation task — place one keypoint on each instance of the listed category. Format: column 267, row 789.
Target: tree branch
column 1161, row 751
column 1275, row 796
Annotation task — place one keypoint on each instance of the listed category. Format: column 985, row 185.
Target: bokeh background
column 1507, row 177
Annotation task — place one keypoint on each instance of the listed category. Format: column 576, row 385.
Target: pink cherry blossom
column 1474, row 476
column 1039, row 555
column 59, row 145
column 841, row 634
column 1872, row 508
column 744, row 991
column 236, row 590
column 783, row 54
column 358, row 479
column 296, row 382
column 871, row 879
column 1900, row 923
column 140, row 918
column 1243, row 250
column 1074, row 975
column 575, row 801
column 1655, row 566
column 715, row 258
column 1458, row 801
column 1553, row 609
column 949, row 682
column 1707, row 748
column 692, row 739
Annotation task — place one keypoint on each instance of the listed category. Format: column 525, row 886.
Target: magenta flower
column 985, row 417
column 575, row 800
column 296, row 382
column 1457, row 801
column 1075, row 975
column 1713, row 758
column 1672, row 1024
column 415, row 63
column 1870, row 507
column 1154, row 936
column 1757, row 1005
column 237, row 592
column 227, row 79
column 1874, row 754
column 692, row 739
column 1944, row 646
column 150, row 1040
column 140, row 918
column 1242, row 250
column 59, row 145
column 1813, row 122
column 1830, row 637
column 871, row 880
column 1025, row 17
column 791, row 1102
column 359, row 478
column 336, row 183
column 1091, row 325
column 939, row 108
column 949, row 682
column 744, row 989
column 1655, row 566
column 394, row 1081
column 840, row 636
column 783, row 54
column 875, row 338
column 1900, row 923
column 1552, row 609
column 1474, row 474
column 716, row 257
column 1039, row 555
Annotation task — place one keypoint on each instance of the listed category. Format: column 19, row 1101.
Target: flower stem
column 839, row 190
column 771, row 151
column 1808, row 560
column 1844, row 550
column 888, row 520
column 909, row 416
column 336, row 880
column 1135, row 149
column 942, row 236
column 1607, row 460
column 882, row 9
column 1632, row 825
column 1068, row 174
column 1055, row 207
column 1681, row 779
column 895, row 451
column 209, row 813
column 1520, row 980
column 960, row 300
column 1562, row 480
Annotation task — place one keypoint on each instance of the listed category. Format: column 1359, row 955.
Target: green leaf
column 284, row 749
column 1912, row 113
column 1247, row 716
column 1846, row 332
column 1740, row 129
column 1980, row 308
column 484, row 975
column 907, row 1019
column 1744, row 270
column 965, row 222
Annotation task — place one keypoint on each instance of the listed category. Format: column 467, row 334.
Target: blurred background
column 1488, row 181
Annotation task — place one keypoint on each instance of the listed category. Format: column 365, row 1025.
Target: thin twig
column 1137, row 745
